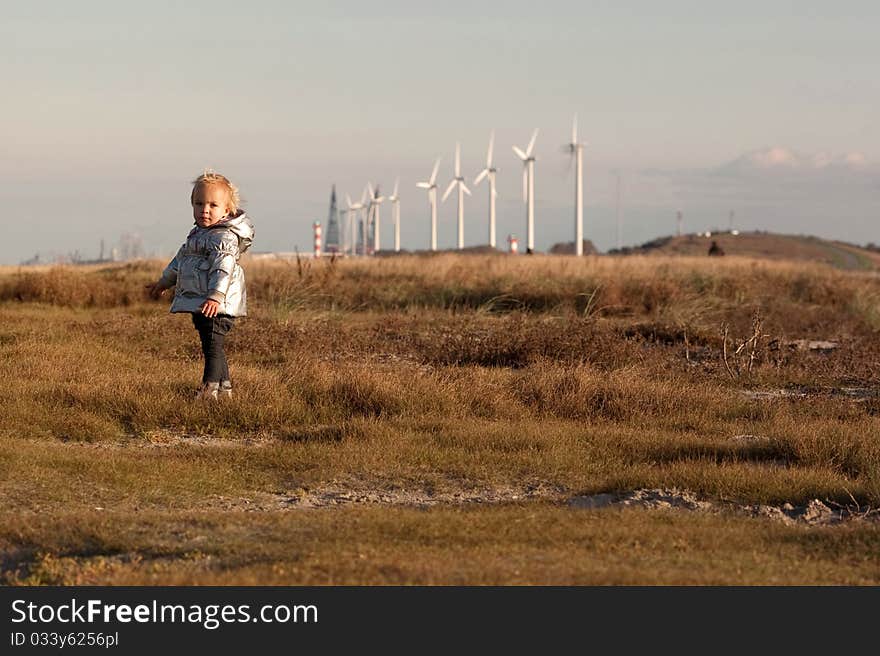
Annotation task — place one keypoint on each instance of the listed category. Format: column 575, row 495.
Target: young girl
column 208, row 281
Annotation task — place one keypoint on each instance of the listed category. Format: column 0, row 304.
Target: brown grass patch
column 579, row 375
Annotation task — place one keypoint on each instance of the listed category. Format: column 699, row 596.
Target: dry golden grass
column 439, row 374
column 509, row 545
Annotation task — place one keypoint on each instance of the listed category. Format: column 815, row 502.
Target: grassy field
column 447, row 420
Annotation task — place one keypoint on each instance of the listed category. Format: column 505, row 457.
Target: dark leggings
column 212, row 332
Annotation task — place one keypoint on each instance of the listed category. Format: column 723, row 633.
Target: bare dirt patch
column 814, row 513
column 849, row 392
column 336, row 494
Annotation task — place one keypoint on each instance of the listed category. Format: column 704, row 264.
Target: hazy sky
column 109, row 109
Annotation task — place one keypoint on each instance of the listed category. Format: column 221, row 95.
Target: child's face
column 210, row 205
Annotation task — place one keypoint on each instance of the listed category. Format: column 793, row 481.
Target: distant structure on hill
column 715, row 249
column 567, row 248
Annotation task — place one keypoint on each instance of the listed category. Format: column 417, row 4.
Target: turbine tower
column 458, row 181
column 431, row 186
column 577, row 152
column 489, row 172
column 352, row 212
column 529, row 190
column 345, row 215
column 394, row 199
column 358, row 229
column 375, row 202
column 617, row 211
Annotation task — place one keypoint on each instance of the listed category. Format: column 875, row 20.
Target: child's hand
column 210, row 308
column 155, row 290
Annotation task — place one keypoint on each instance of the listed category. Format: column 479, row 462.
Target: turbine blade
column 348, row 200
column 448, row 191
column 574, row 130
column 489, row 153
column 520, row 153
column 465, row 189
column 396, row 183
column 482, row 175
column 423, row 185
column 457, row 160
column 433, row 178
column 532, row 142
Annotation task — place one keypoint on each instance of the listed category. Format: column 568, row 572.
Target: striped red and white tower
column 317, row 226
column 514, row 244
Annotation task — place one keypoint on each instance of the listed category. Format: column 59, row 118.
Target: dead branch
column 757, row 326
column 725, row 330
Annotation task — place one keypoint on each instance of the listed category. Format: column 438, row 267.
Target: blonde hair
column 211, row 177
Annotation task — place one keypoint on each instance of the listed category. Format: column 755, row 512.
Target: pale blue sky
column 110, row 108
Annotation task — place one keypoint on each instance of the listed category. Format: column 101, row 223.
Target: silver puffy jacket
column 206, row 267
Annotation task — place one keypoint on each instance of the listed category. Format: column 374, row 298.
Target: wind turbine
column 617, row 211
column 352, row 212
column 394, row 199
column 347, row 232
column 431, row 186
column 363, row 221
column 375, row 201
column 489, row 172
column 529, row 190
column 577, row 152
column 458, row 181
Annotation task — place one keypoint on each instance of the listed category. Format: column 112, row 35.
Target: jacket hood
column 242, row 226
